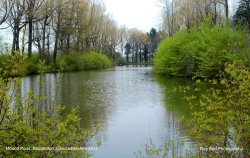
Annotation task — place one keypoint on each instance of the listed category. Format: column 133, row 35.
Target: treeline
column 203, row 45
column 57, row 27
column 140, row 47
column 188, row 13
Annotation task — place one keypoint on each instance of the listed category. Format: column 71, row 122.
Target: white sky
column 141, row 14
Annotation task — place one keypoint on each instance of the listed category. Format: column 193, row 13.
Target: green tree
column 243, row 13
column 127, row 51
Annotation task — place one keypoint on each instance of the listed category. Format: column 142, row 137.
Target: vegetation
column 69, row 62
column 88, row 61
column 26, row 127
column 218, row 53
column 173, row 148
column 189, row 13
column 201, row 51
column 225, row 115
column 242, row 15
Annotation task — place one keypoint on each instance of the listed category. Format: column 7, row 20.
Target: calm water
column 130, row 103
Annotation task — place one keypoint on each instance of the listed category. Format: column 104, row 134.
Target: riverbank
column 72, row 61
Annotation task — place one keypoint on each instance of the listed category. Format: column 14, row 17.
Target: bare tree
column 5, row 8
column 32, row 9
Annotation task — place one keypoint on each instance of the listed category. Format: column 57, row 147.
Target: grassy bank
column 72, row 61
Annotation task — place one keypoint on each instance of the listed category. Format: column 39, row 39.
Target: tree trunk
column 17, row 40
column 55, row 49
column 43, row 40
column 30, row 23
column 226, row 8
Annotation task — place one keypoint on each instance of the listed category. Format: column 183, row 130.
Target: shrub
column 19, row 67
column 24, row 125
column 201, row 51
column 93, row 60
column 224, row 119
column 88, row 61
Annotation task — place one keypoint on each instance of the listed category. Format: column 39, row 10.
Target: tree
column 145, row 53
column 188, row 13
column 5, row 8
column 153, row 41
column 127, row 51
column 243, row 13
column 42, row 31
column 32, row 9
column 17, row 21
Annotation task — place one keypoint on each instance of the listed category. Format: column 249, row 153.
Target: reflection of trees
column 86, row 92
column 42, row 86
column 176, row 104
column 72, row 90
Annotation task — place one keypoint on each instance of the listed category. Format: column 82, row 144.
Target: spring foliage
column 224, row 119
column 24, row 124
column 87, row 61
column 201, row 51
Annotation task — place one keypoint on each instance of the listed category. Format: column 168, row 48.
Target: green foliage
column 73, row 61
column 86, row 61
column 26, row 130
column 170, row 149
column 201, row 51
column 34, row 65
column 95, row 60
column 242, row 14
column 224, row 120
column 15, row 63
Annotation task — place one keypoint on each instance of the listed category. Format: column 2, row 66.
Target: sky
column 141, row 14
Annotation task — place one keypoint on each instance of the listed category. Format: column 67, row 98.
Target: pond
column 132, row 106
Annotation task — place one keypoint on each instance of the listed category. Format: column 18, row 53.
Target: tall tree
column 243, row 13
column 32, row 9
column 17, row 21
column 5, row 8
column 127, row 51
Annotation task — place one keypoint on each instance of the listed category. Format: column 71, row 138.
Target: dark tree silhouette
column 243, row 13
column 127, row 51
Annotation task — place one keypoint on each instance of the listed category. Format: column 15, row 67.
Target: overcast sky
column 141, row 14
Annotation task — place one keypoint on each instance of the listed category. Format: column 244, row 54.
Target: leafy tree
column 153, row 41
column 243, row 12
column 145, row 53
column 127, row 51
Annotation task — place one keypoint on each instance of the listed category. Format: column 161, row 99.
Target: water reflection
column 131, row 105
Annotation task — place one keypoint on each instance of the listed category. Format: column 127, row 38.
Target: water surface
column 130, row 103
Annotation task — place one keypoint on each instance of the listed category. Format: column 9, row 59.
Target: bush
column 201, row 51
column 93, row 60
column 88, row 61
column 24, row 125
column 224, row 119
column 32, row 64
column 6, row 63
